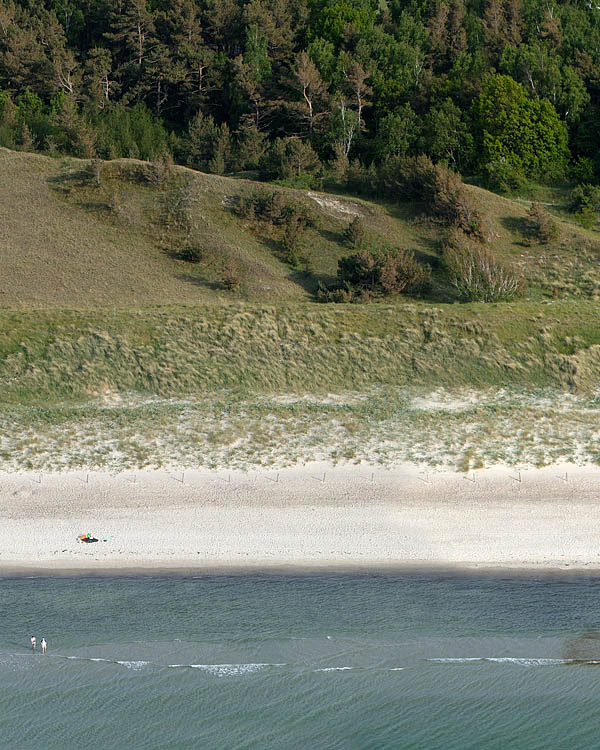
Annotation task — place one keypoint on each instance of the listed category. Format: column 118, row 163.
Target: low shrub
column 160, row 172
column 191, row 254
column 177, row 204
column 540, row 224
column 230, row 275
column 475, row 272
column 452, row 204
column 94, row 172
column 291, row 243
column 503, row 176
column 354, row 233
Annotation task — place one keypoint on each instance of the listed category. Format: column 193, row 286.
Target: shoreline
column 416, row 569
column 316, row 518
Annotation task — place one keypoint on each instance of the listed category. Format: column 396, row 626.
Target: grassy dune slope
column 65, row 242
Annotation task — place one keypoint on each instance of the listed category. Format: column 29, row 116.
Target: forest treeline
column 506, row 89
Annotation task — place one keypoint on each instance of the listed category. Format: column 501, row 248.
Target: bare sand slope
column 308, row 516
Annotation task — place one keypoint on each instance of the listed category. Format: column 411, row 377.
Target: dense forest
column 503, row 89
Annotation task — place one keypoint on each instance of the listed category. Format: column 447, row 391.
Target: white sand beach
column 315, row 515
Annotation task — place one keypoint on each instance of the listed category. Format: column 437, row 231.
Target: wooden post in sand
column 517, row 479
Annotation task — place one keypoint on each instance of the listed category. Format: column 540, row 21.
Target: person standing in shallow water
column 33, row 643
column 44, row 645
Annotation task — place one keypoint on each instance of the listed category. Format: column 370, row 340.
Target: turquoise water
column 376, row 660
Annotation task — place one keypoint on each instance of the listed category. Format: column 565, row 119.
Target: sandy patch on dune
column 336, row 206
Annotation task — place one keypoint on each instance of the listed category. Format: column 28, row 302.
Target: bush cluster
column 276, row 208
column 292, row 217
column 366, row 274
column 419, row 179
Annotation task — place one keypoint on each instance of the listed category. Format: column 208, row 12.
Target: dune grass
column 462, row 429
column 50, row 356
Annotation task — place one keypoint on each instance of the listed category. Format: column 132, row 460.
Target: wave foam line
column 334, row 669
column 135, row 665
column 521, row 661
column 226, row 670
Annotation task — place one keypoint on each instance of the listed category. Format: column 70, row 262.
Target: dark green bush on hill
column 584, row 202
column 366, row 273
column 504, row 176
column 276, row 208
column 584, row 197
column 354, row 233
column 439, row 188
column 540, row 224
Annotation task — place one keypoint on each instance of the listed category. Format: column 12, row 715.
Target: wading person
column 44, row 644
column 33, row 643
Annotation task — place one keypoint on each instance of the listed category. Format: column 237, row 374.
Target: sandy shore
column 316, row 515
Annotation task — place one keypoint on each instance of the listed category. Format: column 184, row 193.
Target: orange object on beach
column 87, row 538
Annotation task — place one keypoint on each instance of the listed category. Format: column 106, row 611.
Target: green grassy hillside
column 115, row 352
column 67, row 241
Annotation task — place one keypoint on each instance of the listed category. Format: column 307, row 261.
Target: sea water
column 377, row 660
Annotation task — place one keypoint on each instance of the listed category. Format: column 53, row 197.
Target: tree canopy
column 241, row 84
